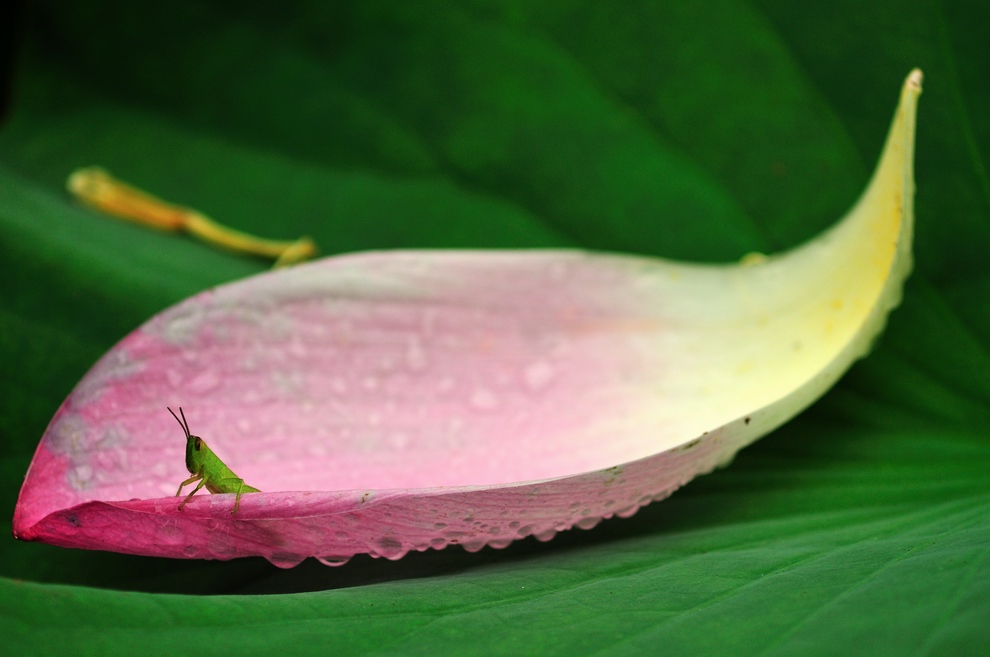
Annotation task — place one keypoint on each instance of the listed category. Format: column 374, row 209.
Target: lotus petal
column 395, row 401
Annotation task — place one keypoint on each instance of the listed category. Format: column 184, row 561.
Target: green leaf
column 664, row 128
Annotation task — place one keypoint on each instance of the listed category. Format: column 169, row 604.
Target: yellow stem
column 99, row 189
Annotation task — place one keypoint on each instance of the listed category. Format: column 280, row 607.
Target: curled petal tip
column 915, row 79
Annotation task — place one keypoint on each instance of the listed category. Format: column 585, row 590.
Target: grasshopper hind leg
column 235, row 485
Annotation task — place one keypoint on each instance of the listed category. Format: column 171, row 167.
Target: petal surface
column 392, row 401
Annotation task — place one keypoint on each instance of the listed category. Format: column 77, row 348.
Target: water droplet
column 390, row 548
column 182, row 328
column 251, row 398
column 455, row 537
column 500, row 543
column 588, row 523
column 224, row 551
column 538, row 375
column 484, row 400
column 558, row 270
column 80, row 476
column 285, row 559
column 297, row 348
column 174, row 378
column 415, row 355
column 545, row 535
column 474, row 545
column 160, row 470
column 287, row 383
column 169, row 533
column 662, row 495
column 333, row 561
column 207, row 380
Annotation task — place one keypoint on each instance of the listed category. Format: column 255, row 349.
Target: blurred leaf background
column 671, row 128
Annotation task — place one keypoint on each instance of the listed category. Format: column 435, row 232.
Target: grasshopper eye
column 198, row 443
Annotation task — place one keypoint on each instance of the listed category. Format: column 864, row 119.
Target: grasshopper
column 207, row 468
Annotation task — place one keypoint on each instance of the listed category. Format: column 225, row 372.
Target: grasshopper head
column 195, row 446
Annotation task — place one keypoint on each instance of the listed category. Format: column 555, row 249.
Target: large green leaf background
column 680, row 129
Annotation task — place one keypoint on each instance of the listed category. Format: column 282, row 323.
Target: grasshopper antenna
column 182, row 422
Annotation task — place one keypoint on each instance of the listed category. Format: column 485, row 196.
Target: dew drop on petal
column 545, row 535
column 80, row 476
column 483, row 399
column 297, row 348
column 588, row 523
column 538, row 375
column 333, row 561
column 286, row 559
column 204, row 382
column 174, row 378
column 473, row 545
column 390, row 548
column 415, row 355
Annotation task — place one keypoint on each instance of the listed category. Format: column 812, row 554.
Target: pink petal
column 386, row 402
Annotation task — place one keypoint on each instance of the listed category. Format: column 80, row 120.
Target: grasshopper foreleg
column 202, row 482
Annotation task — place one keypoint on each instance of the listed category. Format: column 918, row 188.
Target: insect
column 207, row 468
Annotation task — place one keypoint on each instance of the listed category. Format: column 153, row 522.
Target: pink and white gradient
column 395, row 401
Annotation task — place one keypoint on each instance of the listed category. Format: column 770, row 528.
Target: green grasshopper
column 207, row 468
